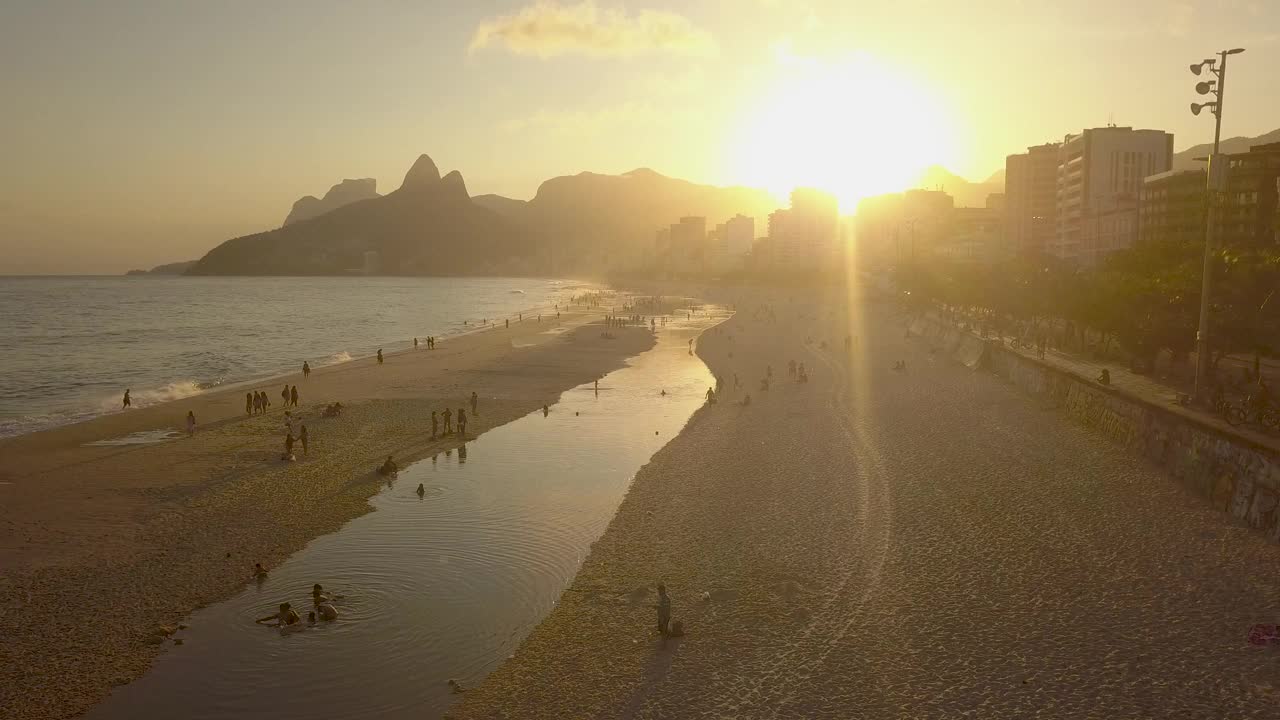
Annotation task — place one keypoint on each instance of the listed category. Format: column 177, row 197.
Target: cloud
column 548, row 28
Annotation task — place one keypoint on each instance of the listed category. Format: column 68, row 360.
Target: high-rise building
column 740, row 234
column 1030, row 188
column 1100, row 174
column 1250, row 215
column 807, row 234
column 1171, row 207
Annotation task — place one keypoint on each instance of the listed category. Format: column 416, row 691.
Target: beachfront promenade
column 927, row 544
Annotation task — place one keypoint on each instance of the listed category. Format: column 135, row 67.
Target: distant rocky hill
column 499, row 204
column 601, row 221
column 1186, row 160
column 177, row 268
column 966, row 193
column 344, row 193
column 429, row 226
column 582, row 223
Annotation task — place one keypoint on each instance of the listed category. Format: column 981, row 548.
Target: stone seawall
column 1234, row 473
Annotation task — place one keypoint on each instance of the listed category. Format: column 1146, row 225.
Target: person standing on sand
column 415, row 343
column 302, row 437
column 448, row 421
column 306, row 369
column 435, row 424
column 475, row 400
column 284, row 396
column 191, row 423
column 293, row 396
column 664, row 609
column 462, row 423
column 379, row 356
column 127, row 401
column 288, row 446
column 257, row 402
column 248, row 404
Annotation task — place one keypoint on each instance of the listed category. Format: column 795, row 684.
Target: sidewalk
column 1146, row 389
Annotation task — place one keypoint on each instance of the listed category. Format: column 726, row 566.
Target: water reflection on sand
column 439, row 586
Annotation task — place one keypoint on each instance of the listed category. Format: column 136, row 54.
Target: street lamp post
column 1215, row 185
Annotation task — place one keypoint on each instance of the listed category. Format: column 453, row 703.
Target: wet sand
column 928, row 544
column 103, row 545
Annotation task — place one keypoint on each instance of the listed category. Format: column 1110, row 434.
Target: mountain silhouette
column 965, row 193
column 587, row 222
column 1186, row 160
column 344, row 193
column 428, row 226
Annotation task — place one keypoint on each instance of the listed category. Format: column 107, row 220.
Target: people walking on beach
column 462, row 422
column 302, row 437
column 306, row 369
column 248, row 404
column 379, row 356
column 448, row 421
column 284, row 396
column 293, row 396
column 191, row 423
column 415, row 343
column 127, row 401
column 664, row 609
column 257, row 402
column 545, row 411
column 475, row 400
column 289, row 440
column 435, row 424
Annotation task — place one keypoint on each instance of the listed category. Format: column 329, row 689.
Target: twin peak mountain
column 587, row 222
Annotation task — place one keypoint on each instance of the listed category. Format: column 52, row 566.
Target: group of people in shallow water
column 286, row 617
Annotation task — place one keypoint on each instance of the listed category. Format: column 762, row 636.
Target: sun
column 852, row 127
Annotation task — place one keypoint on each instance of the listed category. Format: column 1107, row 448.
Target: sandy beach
column 103, row 545
column 919, row 544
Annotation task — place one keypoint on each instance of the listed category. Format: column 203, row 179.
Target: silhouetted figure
column 664, row 609
column 462, row 422
column 293, row 396
column 448, row 421
column 711, row 397
column 475, row 400
column 421, row 490
column 1104, row 377
column 415, row 343
column 257, row 402
column 289, row 440
column 306, row 369
column 191, row 423
column 127, row 401
column 545, row 411
column 284, row 396
column 507, row 323
column 302, row 437
column 388, row 467
column 248, row 404
column 259, row 572
column 379, row 356
column 435, row 424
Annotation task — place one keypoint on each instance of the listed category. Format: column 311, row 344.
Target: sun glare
column 852, row 127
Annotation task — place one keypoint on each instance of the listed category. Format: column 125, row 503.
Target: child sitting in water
column 388, row 468
column 285, row 617
column 259, row 572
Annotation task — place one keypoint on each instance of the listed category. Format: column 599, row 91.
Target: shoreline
column 81, row 413
column 160, row 530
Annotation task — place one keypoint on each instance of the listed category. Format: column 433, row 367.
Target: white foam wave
column 172, row 391
column 339, row 357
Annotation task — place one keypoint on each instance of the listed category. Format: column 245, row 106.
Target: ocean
column 74, row 344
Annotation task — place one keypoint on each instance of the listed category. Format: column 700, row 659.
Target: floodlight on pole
column 1215, row 186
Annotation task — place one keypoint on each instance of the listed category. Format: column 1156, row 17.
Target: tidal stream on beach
column 439, row 587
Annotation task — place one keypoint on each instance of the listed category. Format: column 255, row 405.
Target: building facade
column 806, row 235
column 1172, row 207
column 1031, row 191
column 1250, row 215
column 1100, row 175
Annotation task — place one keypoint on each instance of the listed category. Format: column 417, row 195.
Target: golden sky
column 140, row 132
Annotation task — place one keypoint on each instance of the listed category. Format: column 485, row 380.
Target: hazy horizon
column 145, row 133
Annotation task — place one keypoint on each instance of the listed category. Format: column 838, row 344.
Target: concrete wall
column 1233, row 473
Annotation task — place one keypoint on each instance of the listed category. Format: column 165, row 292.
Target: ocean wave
column 339, row 357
